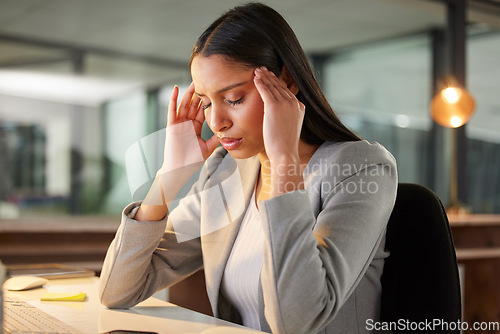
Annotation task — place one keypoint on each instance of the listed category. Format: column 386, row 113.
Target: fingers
column 270, row 87
column 188, row 108
column 200, row 114
column 194, row 107
column 212, row 144
column 172, row 106
column 267, row 91
column 186, row 101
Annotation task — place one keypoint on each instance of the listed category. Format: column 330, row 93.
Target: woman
column 287, row 218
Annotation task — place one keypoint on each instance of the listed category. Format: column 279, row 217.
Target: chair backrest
column 420, row 281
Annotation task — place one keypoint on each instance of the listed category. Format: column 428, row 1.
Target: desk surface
column 459, row 220
column 151, row 315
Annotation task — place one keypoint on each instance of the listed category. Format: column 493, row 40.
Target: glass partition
column 381, row 91
column 483, row 130
column 67, row 158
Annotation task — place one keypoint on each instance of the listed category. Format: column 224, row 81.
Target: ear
column 288, row 80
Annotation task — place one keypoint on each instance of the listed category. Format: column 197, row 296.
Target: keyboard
column 22, row 317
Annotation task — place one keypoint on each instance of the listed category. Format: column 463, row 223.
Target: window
column 381, row 91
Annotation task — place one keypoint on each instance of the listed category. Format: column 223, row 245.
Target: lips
column 230, row 143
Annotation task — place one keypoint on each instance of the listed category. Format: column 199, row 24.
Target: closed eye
column 233, row 103
column 230, row 102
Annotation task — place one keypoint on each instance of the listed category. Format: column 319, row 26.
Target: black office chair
column 420, row 281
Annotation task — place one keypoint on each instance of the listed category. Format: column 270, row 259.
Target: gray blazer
column 323, row 251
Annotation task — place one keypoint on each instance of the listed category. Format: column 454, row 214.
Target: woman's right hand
column 183, row 143
column 185, row 152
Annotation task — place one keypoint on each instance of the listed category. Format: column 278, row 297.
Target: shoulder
column 353, row 152
column 340, row 160
column 351, row 171
column 358, row 154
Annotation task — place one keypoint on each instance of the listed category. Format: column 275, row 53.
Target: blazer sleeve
column 313, row 261
column 145, row 257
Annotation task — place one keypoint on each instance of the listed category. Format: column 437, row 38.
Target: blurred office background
column 82, row 80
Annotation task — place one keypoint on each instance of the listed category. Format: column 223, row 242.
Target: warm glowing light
column 456, row 121
column 63, row 88
column 452, row 107
column 451, row 94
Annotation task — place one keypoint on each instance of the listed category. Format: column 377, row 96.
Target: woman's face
column 233, row 107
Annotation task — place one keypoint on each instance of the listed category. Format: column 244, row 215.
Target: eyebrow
column 225, row 89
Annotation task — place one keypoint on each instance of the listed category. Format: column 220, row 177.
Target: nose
column 218, row 118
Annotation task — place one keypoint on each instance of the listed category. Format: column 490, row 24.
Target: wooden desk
column 81, row 242
column 78, row 241
column 477, row 243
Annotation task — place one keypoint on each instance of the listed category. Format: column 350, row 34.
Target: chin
column 240, row 154
column 243, row 152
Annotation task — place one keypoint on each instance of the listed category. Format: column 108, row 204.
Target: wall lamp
column 452, row 107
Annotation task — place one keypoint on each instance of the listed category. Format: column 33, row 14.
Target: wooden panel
column 481, row 291
column 477, row 243
column 81, row 242
column 191, row 293
column 78, row 241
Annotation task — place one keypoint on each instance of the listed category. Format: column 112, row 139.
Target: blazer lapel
column 236, row 182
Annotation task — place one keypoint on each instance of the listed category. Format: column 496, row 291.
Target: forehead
column 213, row 73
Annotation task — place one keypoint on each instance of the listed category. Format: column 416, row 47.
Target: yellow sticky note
column 64, row 297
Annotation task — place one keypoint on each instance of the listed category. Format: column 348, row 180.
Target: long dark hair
column 256, row 35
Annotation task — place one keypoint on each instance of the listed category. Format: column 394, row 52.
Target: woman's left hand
column 283, row 117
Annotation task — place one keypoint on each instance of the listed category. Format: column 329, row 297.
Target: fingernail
column 258, row 69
